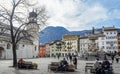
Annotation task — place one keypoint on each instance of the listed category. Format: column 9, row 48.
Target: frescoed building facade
column 71, row 44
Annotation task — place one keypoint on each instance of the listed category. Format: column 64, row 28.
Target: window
column 23, row 45
column 8, row 46
column 102, row 43
column 107, row 33
column 102, row 38
column 1, row 29
column 110, row 32
column 118, row 42
column 119, row 47
column 103, row 47
column 35, row 48
column 1, row 41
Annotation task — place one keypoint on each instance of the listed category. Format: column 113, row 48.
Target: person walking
column 97, row 66
column 117, row 58
column 106, row 66
column 75, row 61
column 70, row 57
column 112, row 58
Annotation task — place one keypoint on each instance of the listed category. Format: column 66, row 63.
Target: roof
column 70, row 37
column 84, row 37
column 32, row 14
column 93, row 36
column 109, row 28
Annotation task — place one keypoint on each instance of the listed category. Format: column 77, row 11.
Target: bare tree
column 16, row 15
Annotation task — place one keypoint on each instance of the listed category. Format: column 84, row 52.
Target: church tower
column 33, row 29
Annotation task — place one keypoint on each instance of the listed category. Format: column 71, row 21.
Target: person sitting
column 63, row 65
column 21, row 63
column 21, row 60
column 106, row 66
column 97, row 67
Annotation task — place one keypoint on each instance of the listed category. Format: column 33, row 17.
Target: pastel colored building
column 42, row 51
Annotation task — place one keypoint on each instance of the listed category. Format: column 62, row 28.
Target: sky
column 76, row 15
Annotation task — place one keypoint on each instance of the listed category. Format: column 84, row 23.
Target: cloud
column 73, row 14
column 79, row 14
column 64, row 13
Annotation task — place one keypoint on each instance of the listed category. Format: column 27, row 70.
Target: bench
column 54, row 66
column 89, row 66
column 27, row 65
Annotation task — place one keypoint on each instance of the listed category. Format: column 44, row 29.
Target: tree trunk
column 14, row 55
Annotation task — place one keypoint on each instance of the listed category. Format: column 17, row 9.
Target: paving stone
column 43, row 67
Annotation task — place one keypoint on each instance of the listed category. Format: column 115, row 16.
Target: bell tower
column 33, row 29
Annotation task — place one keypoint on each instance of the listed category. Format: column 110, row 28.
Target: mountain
column 52, row 33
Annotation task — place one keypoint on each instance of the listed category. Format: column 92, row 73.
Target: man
column 97, row 66
column 75, row 62
column 70, row 57
column 106, row 67
column 117, row 58
column 112, row 57
column 63, row 65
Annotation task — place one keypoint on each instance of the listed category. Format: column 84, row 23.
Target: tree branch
column 5, row 10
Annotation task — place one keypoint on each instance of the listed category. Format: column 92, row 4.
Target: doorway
column 1, row 52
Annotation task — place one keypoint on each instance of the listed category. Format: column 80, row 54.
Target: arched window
column 8, row 46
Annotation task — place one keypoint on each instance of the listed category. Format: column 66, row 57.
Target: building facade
column 84, row 45
column 71, row 44
column 42, row 51
column 57, row 48
column 90, row 43
column 110, row 40
column 47, row 49
column 106, row 40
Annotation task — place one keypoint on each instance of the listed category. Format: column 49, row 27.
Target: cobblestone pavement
column 43, row 67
